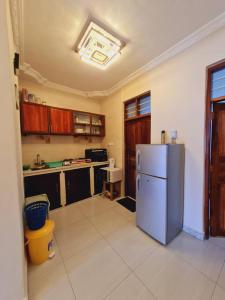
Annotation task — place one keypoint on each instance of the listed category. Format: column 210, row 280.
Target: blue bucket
column 36, row 214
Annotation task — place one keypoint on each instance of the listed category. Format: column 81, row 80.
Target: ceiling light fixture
column 98, row 47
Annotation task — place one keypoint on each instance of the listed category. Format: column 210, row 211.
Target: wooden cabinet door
column 98, row 178
column 61, row 121
column 44, row 184
column 77, row 185
column 34, row 118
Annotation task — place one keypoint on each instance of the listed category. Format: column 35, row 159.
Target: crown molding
column 187, row 42
column 67, row 89
column 16, row 11
column 28, row 70
column 179, row 47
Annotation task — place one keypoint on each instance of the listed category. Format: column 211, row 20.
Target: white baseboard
column 194, row 233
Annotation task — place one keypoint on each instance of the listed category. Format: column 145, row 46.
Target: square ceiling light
column 98, row 47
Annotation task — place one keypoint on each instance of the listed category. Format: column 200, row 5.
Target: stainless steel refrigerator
column 160, row 190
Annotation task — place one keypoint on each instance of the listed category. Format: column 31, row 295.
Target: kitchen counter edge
column 63, row 168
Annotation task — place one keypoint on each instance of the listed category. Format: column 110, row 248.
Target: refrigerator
column 160, row 190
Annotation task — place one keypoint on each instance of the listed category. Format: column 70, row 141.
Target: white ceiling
column 149, row 27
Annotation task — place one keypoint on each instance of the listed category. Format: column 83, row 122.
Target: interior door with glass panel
column 137, row 115
column 217, row 168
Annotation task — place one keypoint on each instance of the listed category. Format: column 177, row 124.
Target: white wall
column 12, row 271
column 60, row 147
column 178, row 102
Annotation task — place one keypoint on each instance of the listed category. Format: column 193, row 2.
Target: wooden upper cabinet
column 42, row 119
column 61, row 121
column 34, row 118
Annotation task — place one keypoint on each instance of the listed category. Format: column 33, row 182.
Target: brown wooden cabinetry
column 88, row 124
column 42, row 119
column 60, row 121
column 34, row 118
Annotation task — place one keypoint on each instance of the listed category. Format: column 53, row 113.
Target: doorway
column 137, row 118
column 215, row 151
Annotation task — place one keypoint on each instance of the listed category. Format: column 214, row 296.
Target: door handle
column 138, row 182
column 138, row 159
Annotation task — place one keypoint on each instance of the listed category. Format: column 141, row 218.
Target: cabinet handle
column 57, row 188
column 68, row 183
column 138, row 159
column 138, row 182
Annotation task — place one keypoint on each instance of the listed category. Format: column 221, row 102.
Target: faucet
column 38, row 160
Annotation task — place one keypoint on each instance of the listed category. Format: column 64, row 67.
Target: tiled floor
column 101, row 254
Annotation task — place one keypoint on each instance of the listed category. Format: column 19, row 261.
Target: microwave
column 99, row 154
column 112, row 174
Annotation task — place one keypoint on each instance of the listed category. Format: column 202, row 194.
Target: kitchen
column 70, row 111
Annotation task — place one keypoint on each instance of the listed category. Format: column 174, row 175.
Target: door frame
column 125, row 120
column 208, row 117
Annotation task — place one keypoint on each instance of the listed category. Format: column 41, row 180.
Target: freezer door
column 152, row 160
column 151, row 203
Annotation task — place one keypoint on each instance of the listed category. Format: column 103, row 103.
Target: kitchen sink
column 39, row 168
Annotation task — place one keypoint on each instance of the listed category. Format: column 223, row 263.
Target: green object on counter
column 54, row 164
column 26, row 167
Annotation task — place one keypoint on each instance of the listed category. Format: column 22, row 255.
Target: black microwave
column 99, row 154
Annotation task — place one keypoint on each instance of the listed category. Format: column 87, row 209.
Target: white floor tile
column 107, row 221
column 219, row 294
column 98, row 239
column 221, row 280
column 131, row 289
column 170, row 278
column 218, row 241
column 94, row 206
column 52, row 285
column 65, row 216
column 132, row 244
column 71, row 240
column 124, row 212
column 96, row 271
column 49, row 265
column 203, row 255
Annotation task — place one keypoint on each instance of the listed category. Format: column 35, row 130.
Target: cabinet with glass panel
column 88, row 124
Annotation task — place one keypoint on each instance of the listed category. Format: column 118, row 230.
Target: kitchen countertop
column 63, row 168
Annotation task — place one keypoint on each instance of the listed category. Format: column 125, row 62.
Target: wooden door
column 34, row 118
column 137, row 131
column 61, row 121
column 217, row 190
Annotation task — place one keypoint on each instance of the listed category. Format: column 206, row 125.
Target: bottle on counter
column 163, row 137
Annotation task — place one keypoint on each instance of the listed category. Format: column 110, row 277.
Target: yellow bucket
column 39, row 242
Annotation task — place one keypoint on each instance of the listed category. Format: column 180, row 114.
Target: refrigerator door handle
column 138, row 159
column 138, row 182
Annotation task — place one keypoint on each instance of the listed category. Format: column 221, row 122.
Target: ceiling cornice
column 16, row 10
column 28, row 70
column 181, row 46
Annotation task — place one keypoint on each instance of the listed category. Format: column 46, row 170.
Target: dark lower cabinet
column 98, row 178
column 44, row 184
column 77, row 185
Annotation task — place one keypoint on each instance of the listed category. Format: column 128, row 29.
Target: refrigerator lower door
column 152, row 160
column 151, row 203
